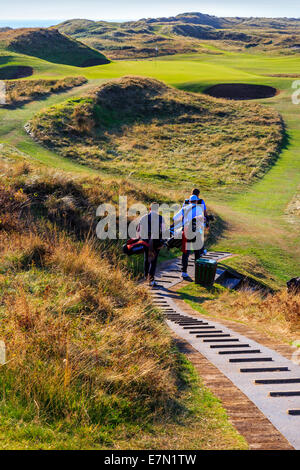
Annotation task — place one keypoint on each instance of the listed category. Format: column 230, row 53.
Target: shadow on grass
column 13, row 72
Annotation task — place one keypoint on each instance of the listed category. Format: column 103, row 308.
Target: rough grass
column 143, row 128
column 276, row 315
column 260, row 206
column 90, row 363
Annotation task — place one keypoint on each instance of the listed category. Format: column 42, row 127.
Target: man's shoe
column 152, row 284
column 185, row 275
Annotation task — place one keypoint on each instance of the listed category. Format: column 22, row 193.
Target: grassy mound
column 90, row 363
column 142, row 127
column 19, row 92
column 52, row 46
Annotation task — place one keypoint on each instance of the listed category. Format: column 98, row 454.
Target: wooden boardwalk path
column 258, row 384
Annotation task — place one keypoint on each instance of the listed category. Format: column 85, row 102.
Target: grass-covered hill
column 185, row 33
column 226, row 22
column 142, row 127
column 50, row 45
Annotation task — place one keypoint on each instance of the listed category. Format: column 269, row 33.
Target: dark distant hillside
column 51, row 45
column 270, row 23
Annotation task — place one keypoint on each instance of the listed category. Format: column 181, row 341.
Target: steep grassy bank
column 143, row 128
column 89, row 364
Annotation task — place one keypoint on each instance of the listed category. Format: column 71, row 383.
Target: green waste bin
column 205, row 272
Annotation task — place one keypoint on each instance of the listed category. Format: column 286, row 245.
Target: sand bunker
column 241, row 91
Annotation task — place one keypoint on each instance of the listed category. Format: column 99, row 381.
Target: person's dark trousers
column 150, row 266
column 185, row 258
